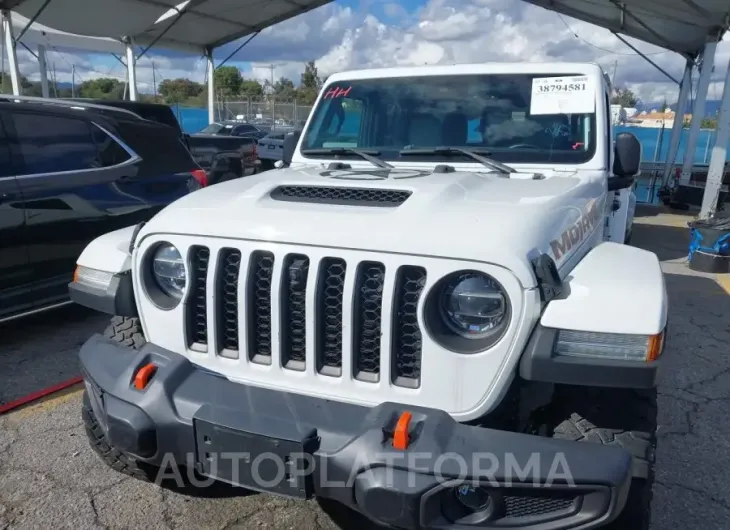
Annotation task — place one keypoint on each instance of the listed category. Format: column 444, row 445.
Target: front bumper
column 300, row 446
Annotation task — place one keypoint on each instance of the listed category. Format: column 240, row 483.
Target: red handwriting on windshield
column 337, row 92
column 577, row 145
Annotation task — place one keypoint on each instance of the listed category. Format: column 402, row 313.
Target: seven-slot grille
column 249, row 281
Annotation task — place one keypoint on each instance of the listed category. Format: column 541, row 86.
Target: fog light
column 475, row 499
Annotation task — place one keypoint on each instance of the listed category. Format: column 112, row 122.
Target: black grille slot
column 367, row 311
column 197, row 305
column 330, row 297
column 406, row 333
column 293, row 312
column 258, row 291
column 342, row 196
column 524, row 506
column 229, row 265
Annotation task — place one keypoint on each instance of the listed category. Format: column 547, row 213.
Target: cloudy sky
column 365, row 33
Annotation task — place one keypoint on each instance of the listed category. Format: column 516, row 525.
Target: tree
column 179, row 90
column 624, row 97
column 250, row 88
column 310, row 77
column 227, row 81
column 6, row 85
column 284, row 89
column 101, row 88
column 310, row 84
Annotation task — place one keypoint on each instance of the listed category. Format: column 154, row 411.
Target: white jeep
column 427, row 316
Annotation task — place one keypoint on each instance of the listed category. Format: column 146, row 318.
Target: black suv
column 69, row 173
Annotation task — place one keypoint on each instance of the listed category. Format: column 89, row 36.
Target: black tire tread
column 113, row 458
column 620, row 417
column 127, row 331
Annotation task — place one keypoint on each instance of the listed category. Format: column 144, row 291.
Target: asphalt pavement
column 50, row 478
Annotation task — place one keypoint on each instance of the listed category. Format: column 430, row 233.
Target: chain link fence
column 290, row 113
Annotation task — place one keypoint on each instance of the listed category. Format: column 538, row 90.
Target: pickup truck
column 271, row 147
column 221, row 157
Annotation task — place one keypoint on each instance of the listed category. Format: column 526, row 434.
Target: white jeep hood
column 466, row 215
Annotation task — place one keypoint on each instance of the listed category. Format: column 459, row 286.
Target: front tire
column 624, row 418
column 127, row 331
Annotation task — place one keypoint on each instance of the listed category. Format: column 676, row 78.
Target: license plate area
column 253, row 461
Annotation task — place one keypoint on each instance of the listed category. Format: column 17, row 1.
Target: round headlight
column 168, row 270
column 473, row 305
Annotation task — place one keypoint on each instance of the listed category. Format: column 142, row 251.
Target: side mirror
column 627, row 155
column 290, row 145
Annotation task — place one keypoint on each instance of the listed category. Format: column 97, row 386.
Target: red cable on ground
column 38, row 395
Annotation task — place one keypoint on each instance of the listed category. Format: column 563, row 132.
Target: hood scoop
column 371, row 197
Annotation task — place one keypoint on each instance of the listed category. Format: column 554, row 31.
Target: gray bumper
column 300, row 446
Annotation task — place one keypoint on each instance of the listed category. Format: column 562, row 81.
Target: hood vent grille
column 382, row 198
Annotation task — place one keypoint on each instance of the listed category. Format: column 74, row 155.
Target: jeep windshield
column 485, row 113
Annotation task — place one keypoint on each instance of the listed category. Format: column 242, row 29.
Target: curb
column 35, row 396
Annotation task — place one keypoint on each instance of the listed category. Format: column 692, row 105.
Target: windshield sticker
column 574, row 236
column 337, row 92
column 563, row 95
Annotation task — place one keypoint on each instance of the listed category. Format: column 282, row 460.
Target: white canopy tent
column 193, row 26
column 35, row 36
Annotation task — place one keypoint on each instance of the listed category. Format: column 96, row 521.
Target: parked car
column 271, row 147
column 221, row 158
column 224, row 157
column 235, row 128
column 69, row 174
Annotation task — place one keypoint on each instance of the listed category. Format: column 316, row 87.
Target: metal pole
column 10, row 47
column 73, row 80
column 678, row 126
column 716, row 171
column 131, row 69
column 43, row 66
column 211, row 86
column 659, row 133
column 698, row 111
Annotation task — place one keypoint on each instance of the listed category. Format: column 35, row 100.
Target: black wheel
column 266, row 164
column 621, row 417
column 229, row 176
column 112, row 457
column 126, row 331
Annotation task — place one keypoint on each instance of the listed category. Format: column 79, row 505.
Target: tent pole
column 716, row 172
column 43, row 67
column 678, row 125
column 698, row 109
column 211, row 85
column 10, row 47
column 131, row 69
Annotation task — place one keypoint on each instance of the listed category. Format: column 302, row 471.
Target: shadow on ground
column 694, row 390
column 41, row 350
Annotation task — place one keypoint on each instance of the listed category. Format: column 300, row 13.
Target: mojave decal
column 575, row 234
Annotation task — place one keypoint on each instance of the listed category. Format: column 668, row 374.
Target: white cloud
column 442, row 31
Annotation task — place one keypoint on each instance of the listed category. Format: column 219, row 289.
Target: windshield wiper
column 368, row 154
column 476, row 154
